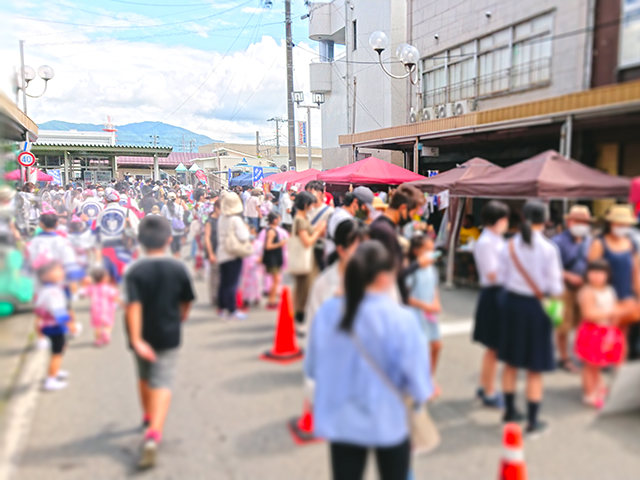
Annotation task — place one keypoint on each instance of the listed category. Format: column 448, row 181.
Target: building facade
column 358, row 95
column 507, row 80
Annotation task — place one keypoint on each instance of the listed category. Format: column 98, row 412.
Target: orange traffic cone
column 512, row 466
column 302, row 428
column 285, row 349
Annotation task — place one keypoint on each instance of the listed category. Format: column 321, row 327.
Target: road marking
column 20, row 411
column 461, row 327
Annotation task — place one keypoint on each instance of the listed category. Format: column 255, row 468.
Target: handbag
column 553, row 307
column 300, row 257
column 423, row 432
column 234, row 246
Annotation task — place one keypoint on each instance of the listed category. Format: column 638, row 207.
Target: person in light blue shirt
column 360, row 346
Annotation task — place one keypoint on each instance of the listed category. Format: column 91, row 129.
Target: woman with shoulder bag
column 234, row 243
column 301, row 261
column 618, row 249
column 365, row 355
column 530, row 270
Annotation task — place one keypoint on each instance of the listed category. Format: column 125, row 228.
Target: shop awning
column 15, row 175
column 370, row 171
column 548, row 175
column 293, row 177
column 474, row 168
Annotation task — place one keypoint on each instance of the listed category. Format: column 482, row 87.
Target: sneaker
column 53, row 384
column 223, row 315
column 43, row 343
column 480, row 393
column 62, row 375
column 537, row 430
column 239, row 315
column 515, row 417
column 148, row 454
column 494, row 401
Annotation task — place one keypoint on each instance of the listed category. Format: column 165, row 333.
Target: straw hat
column 579, row 212
column 378, row 204
column 6, row 193
column 622, row 214
column 231, row 204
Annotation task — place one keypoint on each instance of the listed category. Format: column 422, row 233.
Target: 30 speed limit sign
column 26, row 159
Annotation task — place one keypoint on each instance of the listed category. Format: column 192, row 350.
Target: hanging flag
column 200, row 175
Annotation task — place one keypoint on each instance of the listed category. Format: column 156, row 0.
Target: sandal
column 568, row 366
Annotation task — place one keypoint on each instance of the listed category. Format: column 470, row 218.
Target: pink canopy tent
column 15, row 175
column 292, row 177
column 370, row 171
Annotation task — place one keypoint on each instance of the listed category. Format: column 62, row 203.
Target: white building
column 76, row 137
column 358, row 95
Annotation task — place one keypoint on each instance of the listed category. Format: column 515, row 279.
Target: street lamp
column 318, row 99
column 27, row 74
column 407, row 54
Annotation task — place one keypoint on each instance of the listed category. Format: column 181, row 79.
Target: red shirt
column 328, row 198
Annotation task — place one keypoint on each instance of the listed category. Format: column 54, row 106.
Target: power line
column 137, row 26
column 210, row 73
column 161, row 4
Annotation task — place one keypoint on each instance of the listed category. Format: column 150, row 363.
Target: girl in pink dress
column 104, row 298
column 251, row 278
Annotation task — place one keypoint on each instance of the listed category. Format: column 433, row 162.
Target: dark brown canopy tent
column 474, row 168
column 548, row 175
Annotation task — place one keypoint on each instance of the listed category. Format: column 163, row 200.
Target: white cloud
column 138, row 81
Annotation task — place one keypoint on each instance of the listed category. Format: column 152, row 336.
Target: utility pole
column 23, row 81
column 257, row 144
column 155, row 139
column 290, row 108
column 277, row 120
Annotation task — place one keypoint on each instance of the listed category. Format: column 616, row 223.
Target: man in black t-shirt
column 158, row 298
column 406, row 202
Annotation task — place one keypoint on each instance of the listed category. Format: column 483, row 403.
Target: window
column 355, row 34
column 630, row 33
column 514, row 58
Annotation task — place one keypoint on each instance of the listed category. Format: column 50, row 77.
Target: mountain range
column 139, row 133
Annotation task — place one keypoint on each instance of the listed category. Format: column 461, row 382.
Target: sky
column 216, row 67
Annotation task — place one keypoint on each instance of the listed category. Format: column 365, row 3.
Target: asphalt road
column 228, row 419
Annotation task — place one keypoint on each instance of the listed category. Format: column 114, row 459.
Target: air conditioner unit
column 414, row 116
column 428, row 113
column 443, row 111
column 462, row 107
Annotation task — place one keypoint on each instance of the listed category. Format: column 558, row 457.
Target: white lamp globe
column 379, row 41
column 399, row 51
column 410, row 56
column 45, row 72
column 28, row 73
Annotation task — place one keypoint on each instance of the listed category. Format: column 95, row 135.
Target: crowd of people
column 366, row 299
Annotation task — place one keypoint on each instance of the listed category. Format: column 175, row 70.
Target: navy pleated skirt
column 488, row 317
column 526, row 334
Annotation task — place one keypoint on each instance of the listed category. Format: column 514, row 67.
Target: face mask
column 404, row 221
column 621, row 232
column 101, row 194
column 361, row 214
column 579, row 231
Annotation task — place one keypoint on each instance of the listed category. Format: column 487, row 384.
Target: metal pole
column 290, row 110
column 66, row 167
column 309, row 136
column 569, row 139
column 257, row 144
column 453, row 240
column 23, row 82
column 156, row 167
column 277, row 136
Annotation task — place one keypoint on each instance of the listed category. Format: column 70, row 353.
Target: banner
column 57, row 176
column 200, row 175
column 302, row 134
column 258, row 176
